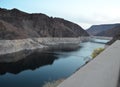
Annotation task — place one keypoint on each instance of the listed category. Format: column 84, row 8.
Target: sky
column 83, row 12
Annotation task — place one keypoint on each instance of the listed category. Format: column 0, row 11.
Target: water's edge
column 28, row 45
column 33, row 68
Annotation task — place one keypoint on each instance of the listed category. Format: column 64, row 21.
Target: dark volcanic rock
column 15, row 24
column 98, row 30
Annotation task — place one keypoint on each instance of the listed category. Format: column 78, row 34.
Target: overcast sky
column 83, row 12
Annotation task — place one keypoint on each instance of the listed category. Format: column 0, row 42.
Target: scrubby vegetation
column 97, row 52
column 53, row 83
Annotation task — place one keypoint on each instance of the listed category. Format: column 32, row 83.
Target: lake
column 38, row 68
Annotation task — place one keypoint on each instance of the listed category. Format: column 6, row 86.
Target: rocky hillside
column 111, row 32
column 101, row 30
column 116, row 36
column 15, row 24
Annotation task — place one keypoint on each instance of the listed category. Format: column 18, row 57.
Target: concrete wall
column 103, row 71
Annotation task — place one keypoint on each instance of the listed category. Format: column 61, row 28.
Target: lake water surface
column 39, row 68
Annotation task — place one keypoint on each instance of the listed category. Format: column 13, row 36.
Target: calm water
column 39, row 68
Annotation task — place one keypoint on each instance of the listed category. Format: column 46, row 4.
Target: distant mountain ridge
column 101, row 30
column 107, row 30
column 110, row 32
column 15, row 24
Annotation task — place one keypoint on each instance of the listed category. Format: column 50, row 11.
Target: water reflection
column 31, row 61
column 67, row 64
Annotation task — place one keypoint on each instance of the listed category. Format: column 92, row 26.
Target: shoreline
column 8, row 47
column 11, row 46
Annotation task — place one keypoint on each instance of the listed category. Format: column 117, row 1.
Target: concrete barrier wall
column 103, row 71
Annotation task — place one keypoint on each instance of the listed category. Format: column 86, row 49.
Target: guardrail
column 103, row 71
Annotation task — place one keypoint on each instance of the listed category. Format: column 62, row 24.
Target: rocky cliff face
column 15, row 24
column 100, row 30
column 116, row 34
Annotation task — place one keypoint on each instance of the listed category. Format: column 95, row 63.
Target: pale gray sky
column 83, row 12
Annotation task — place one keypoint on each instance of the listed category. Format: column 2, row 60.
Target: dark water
column 38, row 68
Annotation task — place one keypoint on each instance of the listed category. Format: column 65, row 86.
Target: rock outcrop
column 116, row 34
column 15, row 24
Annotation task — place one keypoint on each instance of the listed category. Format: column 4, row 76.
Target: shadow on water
column 65, row 48
column 31, row 61
column 34, row 68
